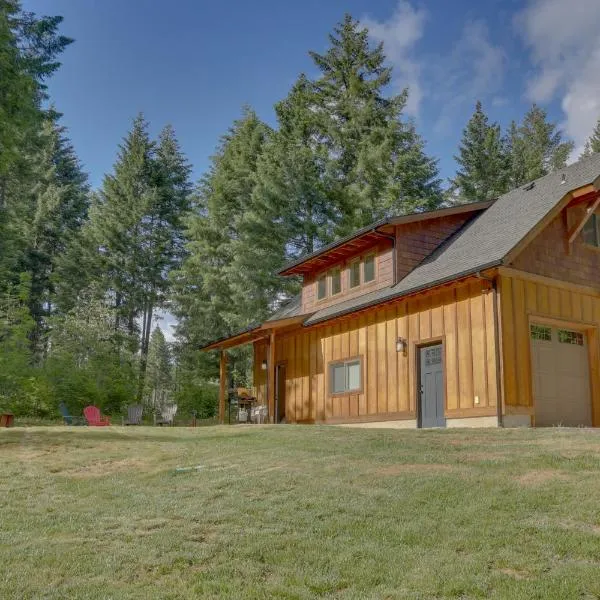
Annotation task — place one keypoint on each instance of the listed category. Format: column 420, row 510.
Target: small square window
column 369, row 268
column 355, row 274
column 591, row 231
column 541, row 332
column 336, row 281
column 321, row 287
column 345, row 377
column 570, row 337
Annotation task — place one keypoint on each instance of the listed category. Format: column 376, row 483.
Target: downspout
column 499, row 399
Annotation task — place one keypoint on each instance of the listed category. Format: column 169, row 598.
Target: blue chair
column 69, row 419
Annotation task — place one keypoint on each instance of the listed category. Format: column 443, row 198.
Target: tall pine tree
column 210, row 302
column 592, row 145
column 535, row 148
column 483, row 173
column 135, row 235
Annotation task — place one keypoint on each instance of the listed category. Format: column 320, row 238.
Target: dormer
column 376, row 256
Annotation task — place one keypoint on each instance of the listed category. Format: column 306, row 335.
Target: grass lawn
column 298, row 512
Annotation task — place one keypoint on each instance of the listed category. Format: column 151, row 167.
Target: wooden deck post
column 271, row 378
column 222, row 386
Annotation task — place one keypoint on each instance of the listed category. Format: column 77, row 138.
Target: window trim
column 330, row 277
column 323, row 277
column 345, row 361
column 355, row 261
column 364, row 259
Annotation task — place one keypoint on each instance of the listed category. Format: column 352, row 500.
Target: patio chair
column 167, row 415
column 134, row 415
column 69, row 419
column 94, row 418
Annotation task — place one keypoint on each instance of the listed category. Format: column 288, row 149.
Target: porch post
column 222, row 386
column 271, row 378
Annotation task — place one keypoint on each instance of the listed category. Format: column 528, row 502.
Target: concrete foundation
column 516, row 421
column 473, row 422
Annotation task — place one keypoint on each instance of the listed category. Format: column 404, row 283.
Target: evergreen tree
column 342, row 157
column 209, row 301
column 376, row 164
column 58, row 209
column 535, row 148
column 29, row 47
column 135, row 236
column 483, row 173
column 592, row 145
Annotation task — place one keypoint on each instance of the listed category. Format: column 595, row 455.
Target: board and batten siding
column 461, row 316
column 527, row 298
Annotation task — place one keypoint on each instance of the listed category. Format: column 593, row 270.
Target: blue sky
column 194, row 64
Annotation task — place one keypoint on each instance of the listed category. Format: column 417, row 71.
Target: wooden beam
column 589, row 211
column 222, row 386
column 271, row 378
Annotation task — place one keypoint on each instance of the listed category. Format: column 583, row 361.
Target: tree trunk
column 146, row 326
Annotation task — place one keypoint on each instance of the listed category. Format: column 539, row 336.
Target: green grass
column 299, row 512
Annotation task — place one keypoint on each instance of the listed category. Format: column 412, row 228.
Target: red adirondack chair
column 94, row 418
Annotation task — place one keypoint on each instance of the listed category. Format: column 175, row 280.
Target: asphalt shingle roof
column 485, row 240
column 482, row 242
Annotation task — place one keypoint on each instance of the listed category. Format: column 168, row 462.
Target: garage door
column 561, row 379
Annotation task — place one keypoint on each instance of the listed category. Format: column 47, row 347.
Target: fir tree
column 592, row 145
column 376, row 164
column 535, row 148
column 483, row 173
column 135, row 236
column 210, row 302
column 57, row 211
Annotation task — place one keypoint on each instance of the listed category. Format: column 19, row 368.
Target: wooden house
column 482, row 314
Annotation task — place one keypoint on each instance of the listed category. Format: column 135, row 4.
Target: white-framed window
column 541, row 332
column 336, row 281
column 591, row 231
column 345, row 376
column 565, row 336
column 322, row 287
column 369, row 268
column 354, row 274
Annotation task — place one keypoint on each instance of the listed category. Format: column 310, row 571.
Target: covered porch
column 266, row 333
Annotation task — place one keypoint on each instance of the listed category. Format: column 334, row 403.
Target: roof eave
column 290, row 268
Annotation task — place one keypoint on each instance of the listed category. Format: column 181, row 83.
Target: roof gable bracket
column 566, row 199
column 576, row 229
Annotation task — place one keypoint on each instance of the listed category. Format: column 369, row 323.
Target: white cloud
column 563, row 40
column 473, row 70
column 399, row 34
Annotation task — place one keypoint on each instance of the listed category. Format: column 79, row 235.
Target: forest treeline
column 84, row 273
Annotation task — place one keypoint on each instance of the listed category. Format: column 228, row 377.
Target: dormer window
column 336, row 281
column 369, row 268
column 322, row 287
column 591, row 231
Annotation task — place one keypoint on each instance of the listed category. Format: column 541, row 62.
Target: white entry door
column 561, row 378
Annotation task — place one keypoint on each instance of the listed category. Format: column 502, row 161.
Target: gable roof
column 482, row 242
